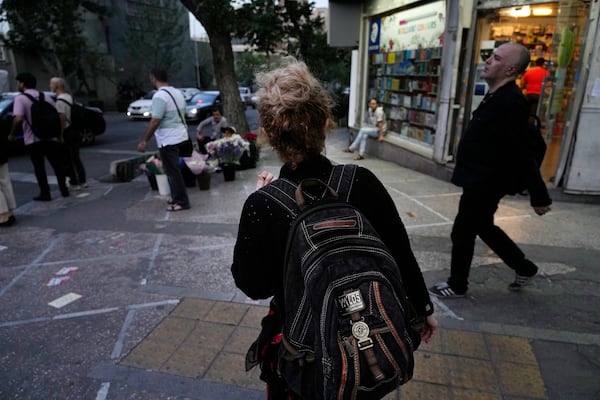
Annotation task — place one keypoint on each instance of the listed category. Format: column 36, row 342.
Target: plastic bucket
column 163, row 185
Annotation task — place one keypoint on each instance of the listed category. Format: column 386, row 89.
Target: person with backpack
column 495, row 157
column 42, row 130
column 71, row 136
column 295, row 113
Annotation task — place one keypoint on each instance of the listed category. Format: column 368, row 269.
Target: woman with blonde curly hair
column 295, row 112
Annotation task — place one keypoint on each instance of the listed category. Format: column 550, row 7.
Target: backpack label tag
column 351, row 302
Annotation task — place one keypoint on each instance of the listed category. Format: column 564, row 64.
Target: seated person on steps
column 375, row 128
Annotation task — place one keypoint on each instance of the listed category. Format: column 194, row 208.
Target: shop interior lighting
column 519, row 12
column 541, row 12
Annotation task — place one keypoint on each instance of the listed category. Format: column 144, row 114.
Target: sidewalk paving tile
column 208, row 340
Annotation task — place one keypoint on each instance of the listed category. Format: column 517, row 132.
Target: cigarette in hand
column 264, row 178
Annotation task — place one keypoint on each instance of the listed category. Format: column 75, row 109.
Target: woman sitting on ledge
column 375, row 128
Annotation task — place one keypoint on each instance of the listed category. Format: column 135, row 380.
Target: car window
column 149, row 95
column 202, row 98
column 6, row 104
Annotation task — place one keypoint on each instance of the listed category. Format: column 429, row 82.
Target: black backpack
column 78, row 114
column 349, row 331
column 45, row 120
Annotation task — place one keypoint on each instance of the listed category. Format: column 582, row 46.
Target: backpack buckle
column 360, row 331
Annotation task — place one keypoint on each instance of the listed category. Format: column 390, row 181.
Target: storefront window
column 404, row 69
column 553, row 33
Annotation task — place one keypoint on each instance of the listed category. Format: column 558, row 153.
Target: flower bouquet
column 197, row 163
column 228, row 150
column 153, row 166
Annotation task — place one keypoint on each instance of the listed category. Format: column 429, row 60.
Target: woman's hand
column 264, row 178
column 429, row 330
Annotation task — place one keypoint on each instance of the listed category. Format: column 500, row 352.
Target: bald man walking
column 494, row 159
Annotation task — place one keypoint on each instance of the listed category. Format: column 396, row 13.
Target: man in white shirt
column 168, row 126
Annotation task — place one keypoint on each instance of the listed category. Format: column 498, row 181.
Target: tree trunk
column 218, row 19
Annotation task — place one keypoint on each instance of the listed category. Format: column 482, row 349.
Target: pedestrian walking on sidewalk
column 168, row 127
column 294, row 113
column 40, row 148
column 375, row 127
column 494, row 159
column 71, row 137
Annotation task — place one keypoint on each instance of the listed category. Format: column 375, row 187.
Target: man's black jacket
column 494, row 152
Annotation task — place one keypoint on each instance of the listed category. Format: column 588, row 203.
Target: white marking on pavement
column 431, row 210
column 116, row 353
column 30, row 178
column 85, row 313
column 154, row 304
column 64, row 300
column 427, row 225
column 427, row 196
column 153, row 256
column 103, row 392
column 36, row 263
column 9, row 324
column 445, row 310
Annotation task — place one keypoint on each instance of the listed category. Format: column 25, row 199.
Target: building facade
column 423, row 59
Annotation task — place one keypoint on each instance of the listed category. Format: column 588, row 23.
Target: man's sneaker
column 520, row 282
column 443, row 291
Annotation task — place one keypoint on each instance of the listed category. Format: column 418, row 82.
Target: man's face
column 373, row 104
column 216, row 116
column 501, row 64
column 52, row 85
column 20, row 86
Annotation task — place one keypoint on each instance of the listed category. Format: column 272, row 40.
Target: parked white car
column 188, row 93
column 142, row 108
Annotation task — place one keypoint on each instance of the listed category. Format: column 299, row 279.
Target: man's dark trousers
column 169, row 156
column 476, row 218
column 53, row 151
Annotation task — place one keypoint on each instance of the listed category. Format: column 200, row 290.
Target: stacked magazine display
column 406, row 83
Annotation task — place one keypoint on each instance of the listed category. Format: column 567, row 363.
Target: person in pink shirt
column 39, row 150
column 532, row 81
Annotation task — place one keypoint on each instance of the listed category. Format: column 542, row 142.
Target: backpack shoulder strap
column 30, row 97
column 176, row 108
column 342, row 179
column 33, row 101
column 282, row 192
column 64, row 101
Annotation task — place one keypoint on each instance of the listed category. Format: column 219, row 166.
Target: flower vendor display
column 250, row 157
column 201, row 168
column 228, row 150
column 197, row 163
column 154, row 166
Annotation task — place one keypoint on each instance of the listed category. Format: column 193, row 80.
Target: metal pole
column 197, row 64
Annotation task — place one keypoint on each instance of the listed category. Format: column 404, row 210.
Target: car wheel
column 87, row 137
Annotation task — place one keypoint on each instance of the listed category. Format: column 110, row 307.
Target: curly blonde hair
column 294, row 111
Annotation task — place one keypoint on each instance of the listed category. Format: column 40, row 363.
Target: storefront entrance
column 552, row 31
